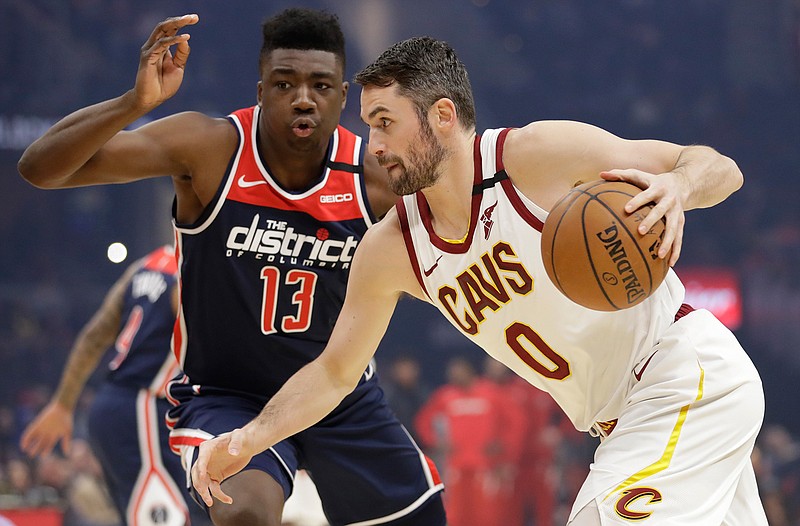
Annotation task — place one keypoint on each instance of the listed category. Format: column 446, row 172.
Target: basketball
column 593, row 252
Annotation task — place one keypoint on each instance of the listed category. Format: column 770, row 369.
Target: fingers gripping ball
column 593, row 252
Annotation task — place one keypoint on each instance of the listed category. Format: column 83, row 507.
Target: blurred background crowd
column 720, row 72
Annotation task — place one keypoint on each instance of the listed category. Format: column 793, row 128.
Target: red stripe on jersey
column 176, row 442
column 508, row 186
column 437, row 479
column 519, row 206
column 455, row 247
column 333, row 198
column 162, row 260
column 336, row 201
column 402, row 214
column 498, row 156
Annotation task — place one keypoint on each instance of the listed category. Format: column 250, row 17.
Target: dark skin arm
column 90, row 146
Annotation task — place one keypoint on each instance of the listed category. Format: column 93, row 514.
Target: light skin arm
column 547, row 158
column 381, row 272
column 54, row 422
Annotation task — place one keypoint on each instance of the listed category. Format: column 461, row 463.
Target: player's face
column 406, row 146
column 302, row 95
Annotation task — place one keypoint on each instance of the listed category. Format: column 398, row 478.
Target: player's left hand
column 218, row 459
column 665, row 191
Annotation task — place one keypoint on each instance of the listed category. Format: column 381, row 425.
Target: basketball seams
column 589, row 252
column 574, row 219
column 566, row 204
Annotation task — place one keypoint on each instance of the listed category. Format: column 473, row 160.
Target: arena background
column 720, row 72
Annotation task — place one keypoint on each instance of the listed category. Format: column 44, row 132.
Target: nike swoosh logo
column 430, row 270
column 641, row 371
column 247, row 184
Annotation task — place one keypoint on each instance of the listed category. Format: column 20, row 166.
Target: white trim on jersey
column 180, row 355
column 222, row 197
column 154, row 482
column 271, row 180
column 357, row 177
column 169, row 369
column 283, row 463
column 405, row 511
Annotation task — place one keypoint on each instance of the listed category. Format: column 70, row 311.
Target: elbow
column 738, row 176
column 32, row 173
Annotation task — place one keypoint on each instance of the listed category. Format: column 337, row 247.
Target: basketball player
column 270, row 205
column 674, row 396
column 126, row 424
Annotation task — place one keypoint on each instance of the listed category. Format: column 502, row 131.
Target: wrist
column 134, row 106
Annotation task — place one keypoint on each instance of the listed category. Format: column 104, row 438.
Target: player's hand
column 160, row 72
column 53, row 424
column 665, row 191
column 218, row 459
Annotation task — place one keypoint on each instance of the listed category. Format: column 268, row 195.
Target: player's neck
column 450, row 199
column 293, row 169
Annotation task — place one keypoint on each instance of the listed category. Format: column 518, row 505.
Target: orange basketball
column 593, row 252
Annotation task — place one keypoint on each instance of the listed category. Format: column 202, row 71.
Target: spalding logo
column 616, row 251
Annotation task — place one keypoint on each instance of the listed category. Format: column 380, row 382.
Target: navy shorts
column 364, row 463
column 128, row 436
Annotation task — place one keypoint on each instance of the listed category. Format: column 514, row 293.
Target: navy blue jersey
column 143, row 358
column 264, row 270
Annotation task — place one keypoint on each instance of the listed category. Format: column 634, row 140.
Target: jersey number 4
column 303, row 298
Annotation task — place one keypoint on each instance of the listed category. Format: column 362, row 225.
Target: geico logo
column 336, row 198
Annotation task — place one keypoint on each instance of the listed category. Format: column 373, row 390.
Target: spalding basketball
column 593, row 252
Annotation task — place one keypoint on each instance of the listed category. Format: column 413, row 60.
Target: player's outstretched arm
column 378, row 278
column 54, row 423
column 61, row 157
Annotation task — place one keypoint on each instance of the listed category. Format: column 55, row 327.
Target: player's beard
column 425, row 156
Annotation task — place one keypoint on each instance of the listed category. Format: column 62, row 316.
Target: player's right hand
column 218, row 459
column 53, row 424
column 160, row 72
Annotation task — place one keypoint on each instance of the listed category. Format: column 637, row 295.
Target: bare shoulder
column 382, row 258
column 552, row 142
column 202, row 146
column 544, row 159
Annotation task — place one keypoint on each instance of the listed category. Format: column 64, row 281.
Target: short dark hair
column 424, row 70
column 300, row 28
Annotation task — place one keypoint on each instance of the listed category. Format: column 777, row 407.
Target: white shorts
column 679, row 453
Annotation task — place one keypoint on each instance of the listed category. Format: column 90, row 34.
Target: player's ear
column 345, row 87
column 259, row 91
column 443, row 113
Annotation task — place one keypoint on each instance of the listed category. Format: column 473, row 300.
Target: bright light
column 117, row 252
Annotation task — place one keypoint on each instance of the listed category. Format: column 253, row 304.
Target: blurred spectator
column 405, row 392
column 23, row 490
column 544, row 424
column 479, row 435
column 778, row 472
column 88, row 500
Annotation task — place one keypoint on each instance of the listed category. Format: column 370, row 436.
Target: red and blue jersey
column 143, row 359
column 264, row 270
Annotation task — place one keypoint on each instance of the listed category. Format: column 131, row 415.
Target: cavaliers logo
column 642, row 497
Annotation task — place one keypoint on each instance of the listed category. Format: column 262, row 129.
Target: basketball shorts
column 679, row 454
column 128, row 436
column 366, row 467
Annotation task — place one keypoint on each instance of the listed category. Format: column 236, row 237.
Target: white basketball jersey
column 493, row 287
